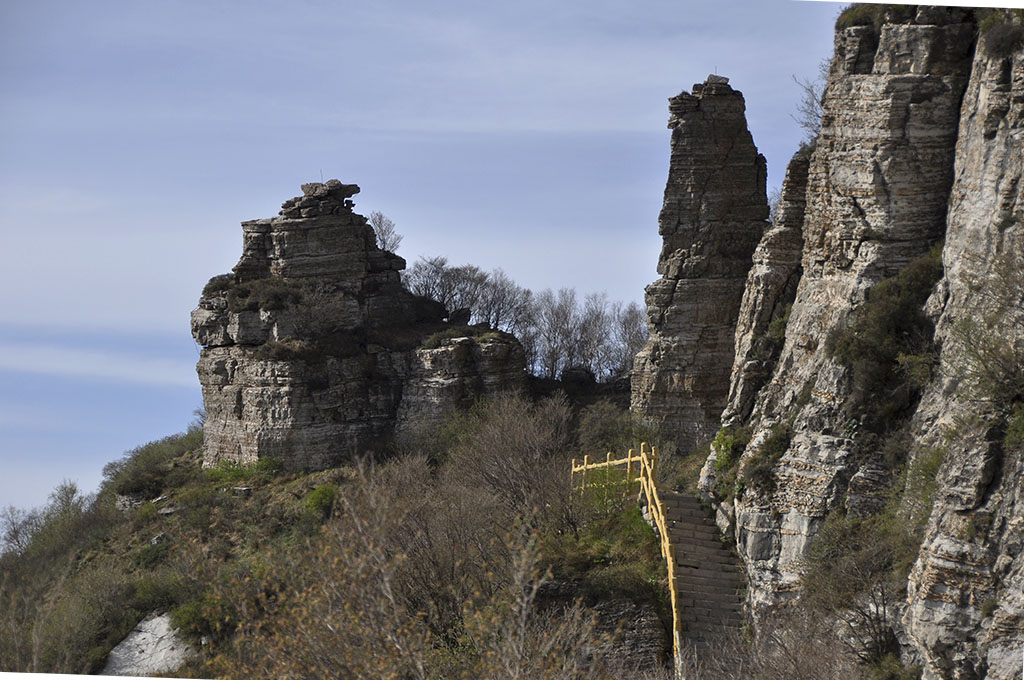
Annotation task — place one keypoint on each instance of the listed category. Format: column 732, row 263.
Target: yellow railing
column 645, row 468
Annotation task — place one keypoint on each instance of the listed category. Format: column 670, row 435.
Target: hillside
column 381, row 491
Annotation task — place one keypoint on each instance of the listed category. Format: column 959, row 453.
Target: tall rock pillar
column 714, row 214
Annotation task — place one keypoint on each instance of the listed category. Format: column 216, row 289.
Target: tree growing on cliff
column 810, row 107
column 388, row 237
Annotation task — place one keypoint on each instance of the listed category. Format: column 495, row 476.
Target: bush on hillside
column 144, row 471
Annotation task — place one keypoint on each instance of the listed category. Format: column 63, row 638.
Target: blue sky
column 134, row 137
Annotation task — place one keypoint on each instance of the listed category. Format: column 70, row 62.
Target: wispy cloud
column 70, row 362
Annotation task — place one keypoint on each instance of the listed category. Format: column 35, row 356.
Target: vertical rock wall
column 966, row 592
column 714, row 213
column 877, row 185
column 770, row 289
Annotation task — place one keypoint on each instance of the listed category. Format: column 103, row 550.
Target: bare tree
column 774, row 199
column 631, row 333
column 809, row 109
column 504, row 304
column 16, row 528
column 387, row 237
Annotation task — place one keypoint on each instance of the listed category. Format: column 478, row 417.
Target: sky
column 134, row 137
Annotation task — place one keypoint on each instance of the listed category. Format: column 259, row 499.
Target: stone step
column 724, row 609
column 698, row 621
column 695, row 586
column 726, row 601
column 688, row 514
column 720, row 560
column 691, row 531
column 694, row 548
column 696, row 551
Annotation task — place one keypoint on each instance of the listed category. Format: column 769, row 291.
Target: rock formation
column 877, row 185
column 454, row 375
column 714, row 213
column 965, row 610
column 152, row 647
column 920, row 145
column 308, row 345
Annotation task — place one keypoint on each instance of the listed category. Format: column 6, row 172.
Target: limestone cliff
column 714, row 213
column 877, row 185
column 308, row 345
column 877, row 362
column 965, row 611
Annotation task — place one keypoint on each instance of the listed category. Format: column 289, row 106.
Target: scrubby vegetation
column 1002, row 30
column 887, row 340
column 429, row 563
column 479, row 333
column 861, row 14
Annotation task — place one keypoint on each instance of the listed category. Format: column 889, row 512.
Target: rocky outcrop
column 769, row 292
column 921, row 143
column 308, row 344
column 456, row 374
column 965, row 611
column 714, row 214
column 877, row 186
column 152, row 648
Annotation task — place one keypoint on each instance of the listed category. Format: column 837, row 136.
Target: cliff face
column 965, row 599
column 877, row 185
column 455, row 375
column 871, row 375
column 714, row 212
column 309, row 344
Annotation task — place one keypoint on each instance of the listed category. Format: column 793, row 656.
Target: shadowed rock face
column 714, row 213
column 308, row 345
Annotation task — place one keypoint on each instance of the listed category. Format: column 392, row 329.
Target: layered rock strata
column 714, row 213
column 965, row 613
column 308, row 344
column 769, row 292
column 454, row 376
column 877, row 186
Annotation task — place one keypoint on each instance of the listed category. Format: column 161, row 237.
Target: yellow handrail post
column 629, row 469
column 572, row 477
column 583, row 475
column 607, row 475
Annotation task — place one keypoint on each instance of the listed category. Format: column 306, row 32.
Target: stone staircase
column 708, row 575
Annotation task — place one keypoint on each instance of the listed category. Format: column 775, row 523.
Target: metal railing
column 642, row 468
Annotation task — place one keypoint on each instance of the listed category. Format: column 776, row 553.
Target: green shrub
column 875, row 15
column 920, row 484
column 270, row 293
column 728, row 445
column 209, row 616
column 158, row 590
column 480, row 333
column 852, row 564
column 889, row 667
column 151, row 554
column 227, row 472
column 616, row 554
column 889, row 324
column 1003, row 39
column 759, row 473
column 218, row 284
column 146, row 470
column 320, row 501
